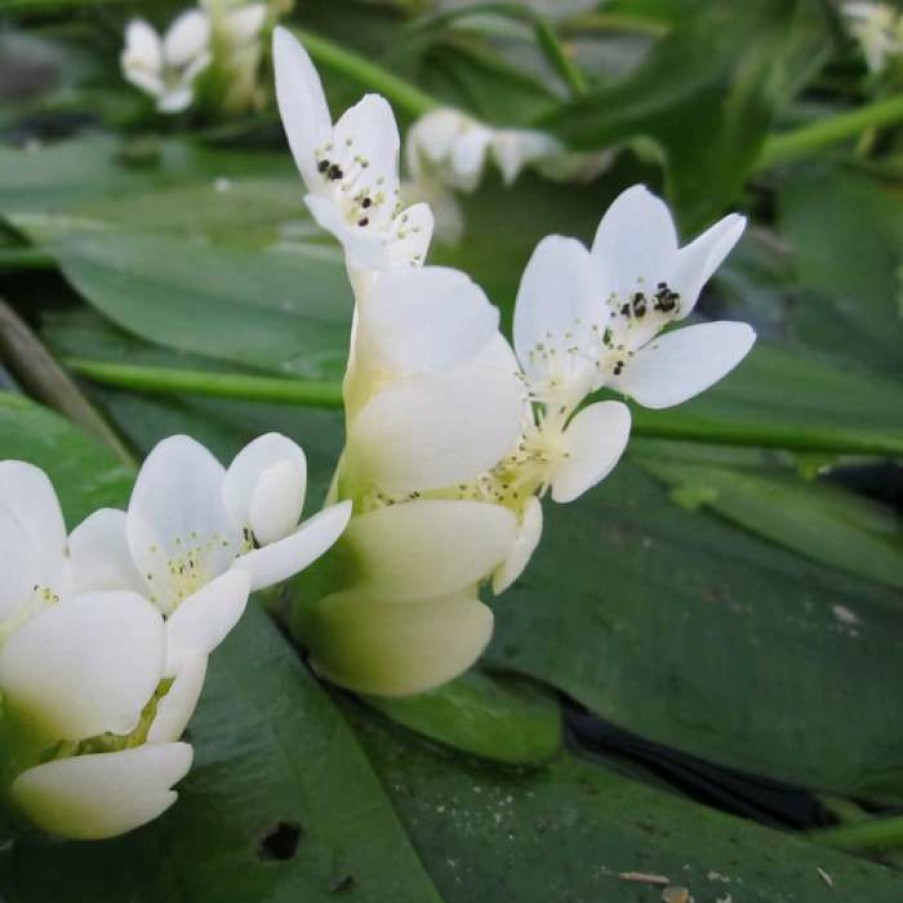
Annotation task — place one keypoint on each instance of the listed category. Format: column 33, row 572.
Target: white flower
column 453, row 147
column 194, row 527
column 350, row 169
column 424, row 410
column 878, row 28
column 166, row 69
column 81, row 676
column 587, row 319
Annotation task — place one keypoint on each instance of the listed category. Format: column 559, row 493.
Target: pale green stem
column 801, row 142
column 875, row 834
column 662, row 425
column 369, row 74
column 558, row 57
column 158, row 380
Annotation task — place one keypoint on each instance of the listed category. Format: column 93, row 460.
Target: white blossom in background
column 350, row 169
column 166, row 68
column 878, row 27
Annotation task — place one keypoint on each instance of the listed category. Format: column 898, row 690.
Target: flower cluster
column 453, row 436
column 878, row 28
column 219, row 40
column 105, row 633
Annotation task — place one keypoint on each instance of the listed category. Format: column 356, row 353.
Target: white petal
column 365, row 249
column 21, row 564
column 426, row 319
column 277, row 502
column 97, row 796
column 177, row 511
column 685, row 362
column 29, row 495
column 433, row 430
column 149, row 82
column 176, row 100
column 513, row 149
column 288, row 557
column 302, row 104
column 175, row 709
column 529, row 532
column 410, row 235
column 143, row 49
column 204, row 620
column 432, row 547
column 559, row 302
column 396, row 650
column 243, row 480
column 368, row 132
column 85, row 666
column 636, row 242
column 594, row 442
column 432, row 137
column 100, row 556
column 187, row 38
column 698, row 260
column 468, row 158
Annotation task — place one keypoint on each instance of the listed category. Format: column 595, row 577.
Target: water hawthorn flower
column 350, row 169
column 105, row 635
column 167, row 68
column 878, row 27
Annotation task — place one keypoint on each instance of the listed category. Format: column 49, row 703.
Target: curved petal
column 175, row 709
column 244, row 24
column 529, row 532
column 302, row 105
column 103, row 795
column 558, row 312
column 431, row 137
column 204, row 620
column 366, row 249
column 594, row 441
column 367, row 135
column 277, row 502
column 100, row 555
column 29, row 495
column 426, row 319
column 243, row 480
column 21, row 564
column 636, row 242
column 179, row 531
column 698, row 260
column 187, row 38
column 431, row 547
column 396, row 650
column 85, row 666
column 410, row 234
column 680, row 364
column 468, row 157
column 143, row 49
column 434, row 430
column 288, row 557
column 175, row 100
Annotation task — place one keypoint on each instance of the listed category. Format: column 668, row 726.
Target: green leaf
column 818, row 520
column 707, row 104
column 569, row 832
column 699, row 636
column 846, row 231
column 284, row 311
column 87, row 475
column 496, row 718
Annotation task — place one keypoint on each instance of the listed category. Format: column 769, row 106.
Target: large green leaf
column 281, row 804
column 570, row 832
column 286, row 311
column 699, row 636
column 707, row 95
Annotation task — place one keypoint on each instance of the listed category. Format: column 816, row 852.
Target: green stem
column 371, row 75
column 804, row 141
column 325, row 394
column 238, row 387
column 26, row 258
column 616, row 22
column 834, row 440
column 874, row 834
column 558, row 57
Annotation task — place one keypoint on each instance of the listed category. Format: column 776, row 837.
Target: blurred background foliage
column 700, row 677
